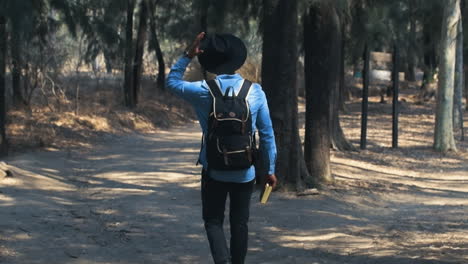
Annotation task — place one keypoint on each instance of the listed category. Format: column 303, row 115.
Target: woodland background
column 368, row 102
column 71, row 70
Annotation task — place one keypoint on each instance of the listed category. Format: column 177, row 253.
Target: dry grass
column 60, row 122
column 57, row 121
column 82, row 107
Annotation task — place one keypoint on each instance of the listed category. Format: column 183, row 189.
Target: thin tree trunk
column 365, row 96
column 16, row 62
column 395, row 89
column 322, row 63
column 128, row 81
column 466, row 87
column 203, row 15
column 3, row 141
column 443, row 135
column 108, row 61
column 338, row 139
column 464, row 11
column 279, row 62
column 203, row 19
column 140, row 47
column 358, row 29
column 344, row 94
column 161, row 80
column 220, row 15
column 410, row 74
column 430, row 54
column 458, row 93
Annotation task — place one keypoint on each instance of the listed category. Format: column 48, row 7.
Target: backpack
column 230, row 142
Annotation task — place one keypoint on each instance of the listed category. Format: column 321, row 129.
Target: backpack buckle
column 226, row 160
column 248, row 151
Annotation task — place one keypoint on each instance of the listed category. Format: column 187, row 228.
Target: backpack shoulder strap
column 244, row 91
column 214, row 88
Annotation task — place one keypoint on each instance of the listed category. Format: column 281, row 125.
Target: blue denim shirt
column 198, row 95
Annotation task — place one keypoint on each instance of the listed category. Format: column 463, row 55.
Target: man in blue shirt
column 223, row 54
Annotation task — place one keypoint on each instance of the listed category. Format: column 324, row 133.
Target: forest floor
column 134, row 198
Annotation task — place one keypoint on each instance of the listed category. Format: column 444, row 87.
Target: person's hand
column 271, row 180
column 194, row 49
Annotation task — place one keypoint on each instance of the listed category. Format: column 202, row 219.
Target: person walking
column 230, row 111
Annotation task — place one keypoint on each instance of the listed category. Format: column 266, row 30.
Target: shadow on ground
column 135, row 199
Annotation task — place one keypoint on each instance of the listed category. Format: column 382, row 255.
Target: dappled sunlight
column 339, row 243
column 312, row 238
column 374, row 241
column 37, row 180
column 195, row 184
column 341, row 215
column 6, row 201
column 19, row 237
column 455, row 180
column 108, row 157
column 116, row 192
column 140, row 197
column 196, row 236
column 100, row 140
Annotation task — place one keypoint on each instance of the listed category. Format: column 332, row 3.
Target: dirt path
column 135, row 199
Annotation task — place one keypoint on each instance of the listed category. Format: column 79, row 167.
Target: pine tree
column 139, row 49
column 129, row 55
column 322, row 41
column 279, row 82
column 3, row 142
column 156, row 47
column 443, row 135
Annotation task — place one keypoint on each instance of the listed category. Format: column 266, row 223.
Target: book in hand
column 265, row 194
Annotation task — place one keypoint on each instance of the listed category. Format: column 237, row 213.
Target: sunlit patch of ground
column 135, row 199
column 413, row 199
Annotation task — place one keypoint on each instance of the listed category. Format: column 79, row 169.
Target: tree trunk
column 365, row 96
column 140, row 47
column 16, row 62
column 344, row 93
column 466, row 88
column 464, row 11
column 322, row 63
column 410, row 74
column 128, row 81
column 358, row 33
column 161, row 81
column 203, row 18
column 108, row 61
column 3, row 142
column 203, row 14
column 337, row 137
column 458, row 93
column 443, row 136
column 430, row 54
column 337, row 99
column 279, row 62
column 219, row 18
column 395, row 90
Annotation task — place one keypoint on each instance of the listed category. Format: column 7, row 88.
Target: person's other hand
column 194, row 49
column 271, row 180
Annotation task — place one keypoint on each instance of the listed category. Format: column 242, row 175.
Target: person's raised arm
column 175, row 82
column 194, row 49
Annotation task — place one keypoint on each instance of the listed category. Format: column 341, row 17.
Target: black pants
column 214, row 194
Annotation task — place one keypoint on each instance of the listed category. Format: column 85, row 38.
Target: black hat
column 222, row 53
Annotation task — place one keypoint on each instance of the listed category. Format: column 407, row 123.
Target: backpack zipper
column 235, row 151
